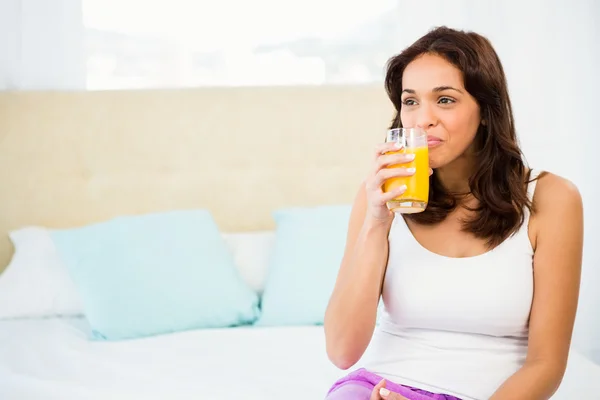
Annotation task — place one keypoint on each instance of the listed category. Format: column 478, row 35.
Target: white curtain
column 550, row 50
column 41, row 45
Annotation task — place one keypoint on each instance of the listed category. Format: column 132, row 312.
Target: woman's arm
column 352, row 310
column 557, row 271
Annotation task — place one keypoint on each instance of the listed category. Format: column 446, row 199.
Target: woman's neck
column 455, row 176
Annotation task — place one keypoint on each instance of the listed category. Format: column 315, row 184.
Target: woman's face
column 434, row 99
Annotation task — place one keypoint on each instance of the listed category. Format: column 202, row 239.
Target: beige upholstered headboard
column 68, row 159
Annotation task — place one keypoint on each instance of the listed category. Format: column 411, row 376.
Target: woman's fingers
column 393, row 159
column 383, row 148
column 392, row 194
column 387, row 395
column 387, row 173
column 375, row 393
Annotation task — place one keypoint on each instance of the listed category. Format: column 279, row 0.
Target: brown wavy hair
column 500, row 175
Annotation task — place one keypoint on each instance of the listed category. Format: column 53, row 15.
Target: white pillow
column 251, row 252
column 36, row 283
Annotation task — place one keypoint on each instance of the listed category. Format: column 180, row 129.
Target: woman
column 461, row 318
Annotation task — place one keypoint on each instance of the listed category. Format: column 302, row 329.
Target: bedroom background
column 550, row 50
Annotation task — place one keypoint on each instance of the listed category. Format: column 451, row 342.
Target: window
column 184, row 43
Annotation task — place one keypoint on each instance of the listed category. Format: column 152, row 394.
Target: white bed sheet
column 53, row 359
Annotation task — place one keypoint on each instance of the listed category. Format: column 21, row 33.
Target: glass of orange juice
column 415, row 197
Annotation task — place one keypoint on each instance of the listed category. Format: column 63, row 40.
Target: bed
column 70, row 159
column 52, row 359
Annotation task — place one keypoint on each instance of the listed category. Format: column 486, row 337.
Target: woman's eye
column 409, row 102
column 446, row 100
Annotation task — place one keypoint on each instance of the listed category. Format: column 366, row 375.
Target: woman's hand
column 377, row 200
column 380, row 392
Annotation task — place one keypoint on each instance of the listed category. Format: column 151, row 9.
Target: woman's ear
column 483, row 122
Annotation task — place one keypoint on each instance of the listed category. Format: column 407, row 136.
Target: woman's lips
column 433, row 141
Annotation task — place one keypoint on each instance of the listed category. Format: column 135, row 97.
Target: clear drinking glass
column 415, row 197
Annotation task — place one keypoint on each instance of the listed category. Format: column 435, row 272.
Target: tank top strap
column 521, row 237
column 531, row 185
column 533, row 175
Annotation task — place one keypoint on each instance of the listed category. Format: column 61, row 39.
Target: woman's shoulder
column 555, row 195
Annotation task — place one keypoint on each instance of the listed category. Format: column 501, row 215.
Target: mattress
column 53, row 359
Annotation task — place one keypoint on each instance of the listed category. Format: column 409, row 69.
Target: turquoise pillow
column 154, row 274
column 308, row 250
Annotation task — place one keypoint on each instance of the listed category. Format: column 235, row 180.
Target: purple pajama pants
column 359, row 384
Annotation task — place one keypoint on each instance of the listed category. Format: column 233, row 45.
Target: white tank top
column 457, row 326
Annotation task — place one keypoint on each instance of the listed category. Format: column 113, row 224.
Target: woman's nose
column 426, row 118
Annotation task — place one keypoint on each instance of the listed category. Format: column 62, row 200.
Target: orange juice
column 416, row 196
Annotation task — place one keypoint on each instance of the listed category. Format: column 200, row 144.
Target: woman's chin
column 433, row 164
